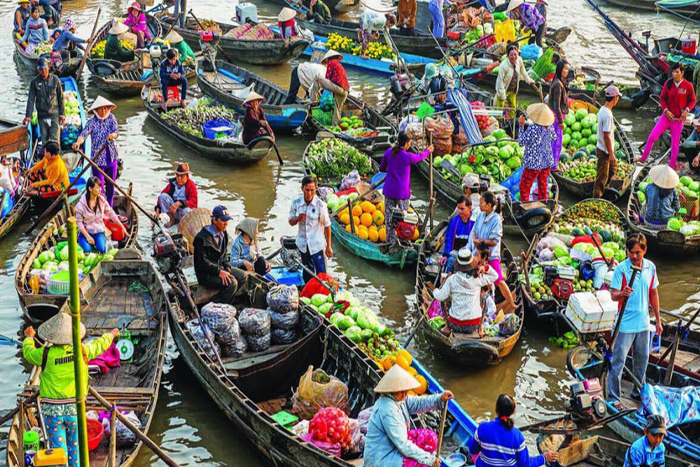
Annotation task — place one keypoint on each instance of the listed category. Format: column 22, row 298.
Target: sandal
column 618, row 406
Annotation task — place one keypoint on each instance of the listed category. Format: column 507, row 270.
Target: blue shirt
column 35, row 31
column 636, row 318
column 167, row 69
column 661, row 206
column 640, row 454
column 241, row 251
column 65, row 39
column 488, row 228
column 537, row 141
column 498, row 446
column 457, row 229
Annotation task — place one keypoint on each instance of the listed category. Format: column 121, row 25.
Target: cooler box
column 286, row 277
column 591, row 312
column 246, row 11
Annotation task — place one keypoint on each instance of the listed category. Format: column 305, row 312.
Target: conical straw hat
column 541, row 114
column 514, row 4
column 118, row 28
column 286, row 14
column 330, row 54
column 395, row 380
column 173, row 37
column 101, row 102
column 59, row 329
column 664, row 176
column 253, row 96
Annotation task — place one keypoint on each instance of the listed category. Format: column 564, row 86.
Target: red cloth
column 586, row 239
column 313, row 286
column 109, row 359
column 677, row 98
column 190, row 192
column 527, row 180
column 336, row 74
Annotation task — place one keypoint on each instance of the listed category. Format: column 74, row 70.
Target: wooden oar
column 277, row 151
column 172, row 26
column 443, row 419
column 89, row 45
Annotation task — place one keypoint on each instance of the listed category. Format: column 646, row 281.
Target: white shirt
column 307, row 73
column 466, row 293
column 373, row 21
column 605, row 124
column 311, row 232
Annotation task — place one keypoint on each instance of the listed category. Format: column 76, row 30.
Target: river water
column 187, row 424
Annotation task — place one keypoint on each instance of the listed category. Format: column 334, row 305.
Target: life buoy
column 534, row 219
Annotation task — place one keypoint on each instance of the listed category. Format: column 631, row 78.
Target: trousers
column 640, row 360
column 294, row 85
column 315, row 262
column 168, row 82
column 50, row 130
column 107, row 188
column 527, row 180
column 659, row 129
column 63, row 433
column 438, row 21
column 339, row 95
column 100, row 242
column 607, row 164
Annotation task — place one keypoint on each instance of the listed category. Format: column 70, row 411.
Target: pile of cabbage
column 689, row 229
column 56, row 259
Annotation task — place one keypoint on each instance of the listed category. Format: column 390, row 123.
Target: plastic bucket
column 31, row 441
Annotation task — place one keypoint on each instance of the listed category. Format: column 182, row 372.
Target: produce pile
column 581, row 131
column 352, row 126
column 98, row 51
column 73, row 123
column 484, row 121
column 584, row 170
column 687, row 188
column 191, row 119
column 368, row 218
column 42, row 48
column 332, row 158
column 331, row 425
column 209, row 25
column 375, row 50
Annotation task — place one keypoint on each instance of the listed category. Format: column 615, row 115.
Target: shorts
column 496, row 264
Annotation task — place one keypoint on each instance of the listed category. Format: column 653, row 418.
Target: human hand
column 447, row 395
column 561, row 126
column 26, row 120
column 248, row 265
column 225, row 277
column 115, row 332
column 683, row 115
column 627, row 291
column 268, row 266
column 696, row 161
column 174, row 207
column 301, row 218
column 550, row 456
column 75, row 146
column 438, row 462
column 29, row 332
column 659, row 328
column 669, row 115
column 329, row 252
column 89, row 239
column 62, row 120
column 443, row 260
column 111, row 137
column 431, row 148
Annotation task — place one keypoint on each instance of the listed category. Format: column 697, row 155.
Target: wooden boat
column 384, row 130
column 421, row 43
column 29, row 61
column 665, row 240
column 222, row 84
column 39, row 307
column 337, row 7
column 229, row 151
column 683, row 8
column 465, row 349
column 14, row 138
column 114, row 303
column 687, row 356
column 680, row 441
column 254, row 51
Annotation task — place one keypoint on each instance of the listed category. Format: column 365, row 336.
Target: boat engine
column 586, row 403
column 406, row 223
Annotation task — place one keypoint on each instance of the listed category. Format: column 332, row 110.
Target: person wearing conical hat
column 21, row 16
column 114, row 50
column 661, row 197
column 386, row 442
column 286, row 23
column 184, row 52
column 137, row 24
column 254, row 122
column 102, row 129
column 530, row 18
column 245, row 252
column 179, row 197
column 57, row 384
column 335, row 81
column 303, row 76
column 538, row 159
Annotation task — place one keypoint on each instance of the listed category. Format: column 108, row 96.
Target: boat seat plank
column 113, row 391
column 254, row 358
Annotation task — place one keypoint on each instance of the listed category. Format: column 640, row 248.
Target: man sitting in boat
column 303, row 76
column 172, row 74
column 210, row 259
column 21, row 17
column 36, row 31
column 319, row 12
column 691, row 145
column 649, row 449
column 67, row 41
column 184, row 52
column 179, row 197
column 114, row 50
column 661, row 197
column 386, row 442
column 286, row 23
column 245, row 252
column 52, row 11
column 50, row 173
column 457, row 234
column 464, row 288
column 371, row 25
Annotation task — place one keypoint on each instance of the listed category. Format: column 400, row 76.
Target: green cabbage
column 354, row 333
column 318, row 299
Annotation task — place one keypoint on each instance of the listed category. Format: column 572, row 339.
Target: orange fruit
column 423, row 384
column 356, row 220
column 345, row 218
column 362, row 232
column 378, row 217
column 343, row 212
column 416, row 234
column 367, row 206
column 382, row 234
column 373, row 234
column 412, row 371
column 406, row 355
column 348, row 228
column 366, row 219
column 356, row 211
column 402, row 362
column 388, row 361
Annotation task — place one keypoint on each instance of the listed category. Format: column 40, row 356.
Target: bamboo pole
column 78, row 363
column 113, row 437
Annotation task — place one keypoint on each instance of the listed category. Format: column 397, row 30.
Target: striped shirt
column 497, row 446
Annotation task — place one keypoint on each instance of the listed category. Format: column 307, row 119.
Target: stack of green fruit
column 348, row 123
column 581, row 131
column 585, row 170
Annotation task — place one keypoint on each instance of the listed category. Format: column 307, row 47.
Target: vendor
column 57, row 383
column 335, row 81
column 438, row 16
column 464, row 290
column 303, row 76
column 649, row 449
column 137, row 24
column 510, row 73
column 67, row 41
column 114, row 50
column 319, row 12
column 386, row 442
column 372, row 24
column 254, row 122
column 472, row 189
column 530, row 18
column 286, row 23
column 691, row 145
column 90, row 213
column 49, row 174
column 558, row 101
column 172, row 74
column 457, row 233
column 179, row 197
column 245, row 252
column 21, row 17
column 184, row 52
column 662, row 198
column 407, row 17
column 46, row 95
column 36, row 31
column 538, row 157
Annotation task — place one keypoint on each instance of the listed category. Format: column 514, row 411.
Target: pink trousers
column 660, row 128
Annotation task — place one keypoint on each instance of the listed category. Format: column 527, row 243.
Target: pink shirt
column 137, row 25
column 93, row 221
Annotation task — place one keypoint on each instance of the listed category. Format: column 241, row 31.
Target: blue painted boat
column 69, row 84
column 223, row 83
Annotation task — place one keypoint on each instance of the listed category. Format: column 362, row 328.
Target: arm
column 690, row 104
column 416, row 405
column 692, row 140
column 80, row 221
column 523, row 136
column 449, row 238
column 488, row 277
column 293, row 218
column 30, row 101
column 75, row 38
column 663, row 98
column 97, row 347
column 415, row 158
column 496, row 233
column 555, row 101
column 616, row 285
column 44, row 31
column 500, row 83
column 474, row 444
column 191, row 193
column 208, row 267
column 59, row 97
column 237, row 258
column 397, row 433
column 609, row 144
column 325, row 12
column 30, row 352
column 524, row 459
column 443, row 293
column 385, row 161
column 675, row 202
column 26, row 34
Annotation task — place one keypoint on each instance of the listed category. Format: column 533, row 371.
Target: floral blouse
column 537, row 141
column 336, row 74
column 98, row 130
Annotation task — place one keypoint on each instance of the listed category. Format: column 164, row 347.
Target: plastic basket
column 217, row 128
column 59, row 283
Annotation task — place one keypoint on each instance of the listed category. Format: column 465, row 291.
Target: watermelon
column 581, row 114
column 576, row 135
column 686, row 180
column 593, row 139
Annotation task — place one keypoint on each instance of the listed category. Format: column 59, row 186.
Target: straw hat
column 430, row 71
column 395, row 380
column 330, row 54
column 514, row 4
column 248, row 226
column 286, row 14
column 253, row 96
column 664, row 176
column 59, row 329
column 101, row 102
column 134, row 6
column 463, row 262
column 183, row 168
column 23, row 1
column 541, row 114
column 119, row 28
column 173, row 37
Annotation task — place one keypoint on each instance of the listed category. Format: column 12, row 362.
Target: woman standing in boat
column 538, row 158
column 558, row 100
column 90, row 213
column 36, row 31
column 102, row 129
column 387, row 443
column 510, row 72
column 397, row 163
column 254, row 123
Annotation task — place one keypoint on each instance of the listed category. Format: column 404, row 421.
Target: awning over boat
column 677, row 405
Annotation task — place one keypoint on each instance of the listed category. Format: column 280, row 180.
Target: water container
column 689, row 45
column 155, row 51
column 246, row 11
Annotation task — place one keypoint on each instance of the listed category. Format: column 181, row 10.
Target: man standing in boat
column 371, row 25
column 303, row 76
column 605, row 148
column 314, row 234
column 46, row 94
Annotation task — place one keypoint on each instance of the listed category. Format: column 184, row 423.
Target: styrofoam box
column 245, row 11
column 591, row 312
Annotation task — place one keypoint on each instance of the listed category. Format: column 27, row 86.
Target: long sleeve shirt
column 335, row 73
column 190, row 192
column 496, row 445
column 386, row 442
column 93, row 221
column 397, row 184
column 46, row 95
column 505, row 76
column 559, row 100
column 138, row 25
column 114, row 50
column 692, row 140
column 167, row 69
column 537, row 141
column 36, row 31
column 457, row 229
column 660, row 208
column 65, row 40
column 253, row 124
column 488, row 228
column 320, row 9
column 530, row 17
column 407, row 11
column 640, row 453
column 241, row 251
column 56, row 173
column 98, row 130
column 677, row 97
column 465, row 292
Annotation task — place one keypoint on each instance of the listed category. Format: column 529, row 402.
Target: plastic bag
column 284, row 336
column 550, row 243
column 327, row 101
column 509, row 325
column 124, row 436
column 409, row 119
column 357, row 440
column 301, row 428
column 363, row 418
column 259, row 343
column 198, row 332
column 324, row 191
column 283, row 298
column 318, row 390
column 255, row 322
column 236, row 350
column 350, row 181
column 546, row 255
column 417, row 134
column 331, row 448
column 284, row 321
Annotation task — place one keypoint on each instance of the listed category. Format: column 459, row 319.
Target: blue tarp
column 471, row 127
column 677, row 405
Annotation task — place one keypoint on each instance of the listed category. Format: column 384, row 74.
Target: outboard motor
column 586, row 403
column 208, row 41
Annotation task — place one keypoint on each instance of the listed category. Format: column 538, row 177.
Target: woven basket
column 192, row 223
column 692, row 207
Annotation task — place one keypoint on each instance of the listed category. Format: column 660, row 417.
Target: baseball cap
column 656, row 424
column 612, row 91
column 42, row 63
column 221, row 213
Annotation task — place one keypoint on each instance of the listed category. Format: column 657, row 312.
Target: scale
column 125, row 346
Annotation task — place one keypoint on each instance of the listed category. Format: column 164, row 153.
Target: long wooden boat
column 222, row 83
column 686, row 9
column 384, row 129
column 31, row 62
column 229, row 151
column 14, row 138
column 337, row 7
column 467, row 350
column 113, row 302
column 680, row 441
column 256, row 52
column 39, row 307
column 421, row 43
column 666, row 240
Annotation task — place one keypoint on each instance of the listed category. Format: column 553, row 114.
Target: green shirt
column 114, row 50
column 58, row 377
column 322, row 10
column 184, row 52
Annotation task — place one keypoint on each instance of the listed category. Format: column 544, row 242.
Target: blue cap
column 221, row 213
column 42, row 63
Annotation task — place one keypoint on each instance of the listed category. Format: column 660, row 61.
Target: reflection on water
column 187, row 423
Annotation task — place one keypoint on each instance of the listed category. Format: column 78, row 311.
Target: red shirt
column 336, row 74
column 190, row 191
column 677, row 98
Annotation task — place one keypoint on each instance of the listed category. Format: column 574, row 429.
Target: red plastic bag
column 314, row 286
column 427, row 440
column 586, row 239
column 330, row 448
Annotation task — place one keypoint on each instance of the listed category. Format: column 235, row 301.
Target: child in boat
column 464, row 288
column 649, row 449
